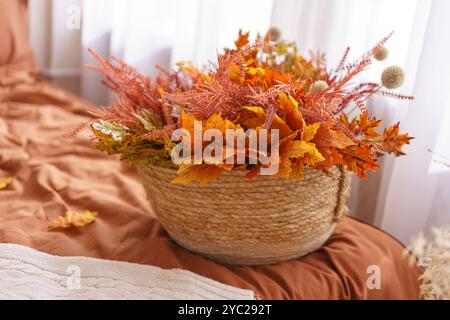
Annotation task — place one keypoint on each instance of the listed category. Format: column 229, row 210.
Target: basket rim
column 241, row 173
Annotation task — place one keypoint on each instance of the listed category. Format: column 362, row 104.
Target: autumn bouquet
column 270, row 135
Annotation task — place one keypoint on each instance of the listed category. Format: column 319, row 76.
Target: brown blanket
column 52, row 175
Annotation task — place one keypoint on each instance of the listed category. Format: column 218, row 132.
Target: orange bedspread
column 52, row 175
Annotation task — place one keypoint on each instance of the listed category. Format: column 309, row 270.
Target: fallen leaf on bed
column 73, row 218
column 4, row 182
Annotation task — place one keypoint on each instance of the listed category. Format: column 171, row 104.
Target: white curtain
column 409, row 194
column 417, row 188
column 144, row 33
column 412, row 193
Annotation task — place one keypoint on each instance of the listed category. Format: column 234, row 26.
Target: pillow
column 14, row 47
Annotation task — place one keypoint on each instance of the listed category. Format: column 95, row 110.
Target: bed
column 52, row 174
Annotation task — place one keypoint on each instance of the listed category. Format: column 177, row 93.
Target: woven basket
column 263, row 221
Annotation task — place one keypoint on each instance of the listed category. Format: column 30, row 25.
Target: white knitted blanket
column 29, row 274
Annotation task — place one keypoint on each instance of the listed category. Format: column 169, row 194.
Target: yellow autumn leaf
column 309, row 131
column 257, row 110
column 260, row 118
column 295, row 155
column 298, row 169
column 258, row 71
column 254, row 120
column 235, row 74
column 5, row 182
column 217, row 122
column 313, row 158
column 287, row 102
column 187, row 122
column 190, row 69
column 73, row 218
column 284, row 168
column 202, row 173
column 289, row 106
column 298, row 149
column 213, row 122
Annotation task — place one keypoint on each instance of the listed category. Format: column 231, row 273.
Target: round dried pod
column 392, row 77
column 381, row 54
column 274, row 33
column 319, row 86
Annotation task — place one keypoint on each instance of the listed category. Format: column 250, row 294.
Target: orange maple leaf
column 242, row 39
column 253, row 172
column 257, row 116
column 289, row 107
column 203, row 173
column 213, row 122
column 393, row 141
column 275, row 77
column 358, row 159
column 295, row 154
column 367, row 126
column 326, row 137
column 332, row 158
column 362, row 126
